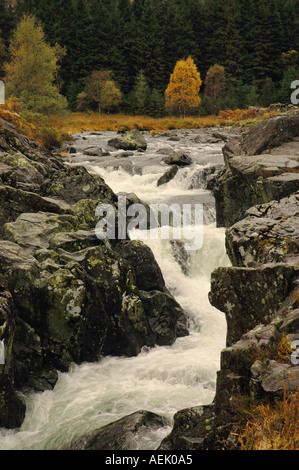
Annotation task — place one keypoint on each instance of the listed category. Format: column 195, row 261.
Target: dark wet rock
column 130, row 140
column 124, row 154
column 75, row 184
column 181, row 255
column 73, row 241
column 178, row 158
column 168, row 175
column 190, row 430
column 220, row 136
column 146, row 216
column 165, row 316
column 147, row 271
column 121, row 434
column 33, row 230
column 249, row 296
column 12, row 405
column 254, row 180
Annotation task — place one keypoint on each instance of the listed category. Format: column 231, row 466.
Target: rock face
column 258, row 202
column 65, row 295
column 131, row 140
column 262, row 165
column 120, row 435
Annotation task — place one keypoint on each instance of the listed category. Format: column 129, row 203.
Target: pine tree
column 141, row 92
column 7, row 21
column 150, row 46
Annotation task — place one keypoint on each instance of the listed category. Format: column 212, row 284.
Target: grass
column 79, row 122
column 272, row 426
column 53, row 130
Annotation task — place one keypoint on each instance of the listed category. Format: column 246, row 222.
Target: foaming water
column 162, row 379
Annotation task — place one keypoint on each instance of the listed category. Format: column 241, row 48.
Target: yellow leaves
column 182, row 93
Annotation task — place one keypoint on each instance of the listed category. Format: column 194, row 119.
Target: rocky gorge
column 68, row 297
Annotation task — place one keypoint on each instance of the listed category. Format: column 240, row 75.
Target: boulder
column 93, row 151
column 120, row 435
column 177, row 158
column 168, row 175
column 130, row 140
column 264, row 136
column 190, row 429
column 275, row 378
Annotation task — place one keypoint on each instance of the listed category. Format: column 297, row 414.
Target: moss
column 84, row 210
column 132, row 307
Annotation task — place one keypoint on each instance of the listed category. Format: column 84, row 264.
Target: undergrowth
column 271, row 426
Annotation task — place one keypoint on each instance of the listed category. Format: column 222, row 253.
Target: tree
column 289, row 75
column 141, row 92
column 32, row 70
column 215, row 82
column 156, row 104
column 102, row 89
column 268, row 92
column 182, row 93
column 2, row 55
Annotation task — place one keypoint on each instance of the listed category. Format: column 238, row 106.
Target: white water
column 163, row 379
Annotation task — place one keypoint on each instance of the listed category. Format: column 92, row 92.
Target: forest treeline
column 256, row 42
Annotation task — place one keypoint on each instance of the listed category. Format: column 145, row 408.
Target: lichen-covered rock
column 131, row 140
column 191, row 428
column 249, row 296
column 268, row 234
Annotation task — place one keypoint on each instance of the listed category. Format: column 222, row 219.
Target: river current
column 162, row 379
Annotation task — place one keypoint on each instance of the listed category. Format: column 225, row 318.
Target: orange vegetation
column 272, row 427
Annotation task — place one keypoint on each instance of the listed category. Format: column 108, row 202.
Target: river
column 162, row 379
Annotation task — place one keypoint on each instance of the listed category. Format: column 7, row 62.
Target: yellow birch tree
column 182, row 93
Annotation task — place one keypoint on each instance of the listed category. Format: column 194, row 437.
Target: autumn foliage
column 101, row 88
column 182, row 93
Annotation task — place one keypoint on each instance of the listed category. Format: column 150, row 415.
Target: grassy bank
column 79, row 122
column 52, row 131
